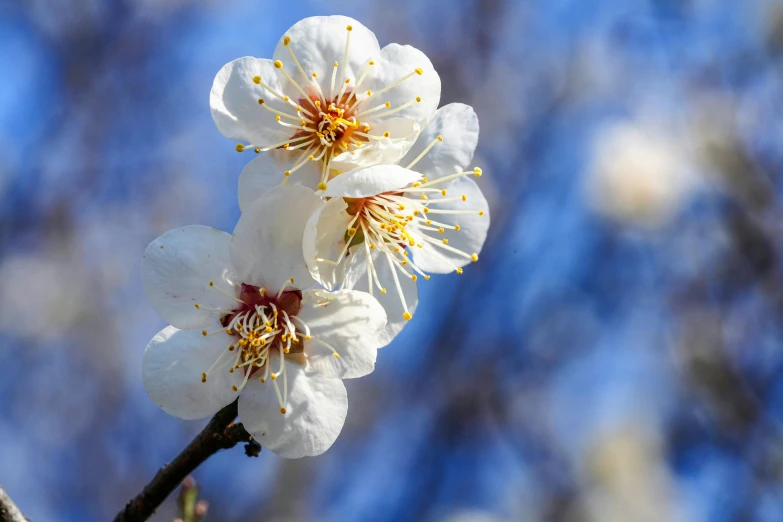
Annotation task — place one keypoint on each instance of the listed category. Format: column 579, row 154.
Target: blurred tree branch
column 220, row 433
column 9, row 512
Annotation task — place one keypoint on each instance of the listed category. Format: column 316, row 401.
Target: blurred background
column 614, row 356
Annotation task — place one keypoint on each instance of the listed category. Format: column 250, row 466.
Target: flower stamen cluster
column 325, row 124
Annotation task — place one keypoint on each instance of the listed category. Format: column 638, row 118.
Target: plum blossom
column 329, row 100
column 384, row 227
column 241, row 326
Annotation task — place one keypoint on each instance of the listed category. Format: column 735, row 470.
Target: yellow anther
column 426, row 278
column 292, row 280
column 240, row 147
column 441, row 230
column 443, row 192
column 372, row 246
column 277, row 117
column 262, row 379
column 282, row 410
column 414, row 277
column 401, row 206
column 315, row 75
column 440, row 138
column 372, row 62
column 459, row 270
column 417, row 184
column 464, row 197
column 311, row 157
column 388, row 105
column 287, row 173
column 287, row 350
column 322, row 186
column 278, row 64
column 407, row 316
column 197, row 306
column 317, row 102
column 203, row 377
column 351, row 231
column 419, row 71
column 477, row 172
column 347, row 80
column 445, row 241
column 418, row 99
column 274, row 376
column 256, row 79
column 480, row 212
column 456, row 228
column 404, row 262
column 474, row 257
column 386, row 134
column 337, row 355
column 286, row 98
column 369, row 92
column 204, row 333
column 423, row 197
column 425, row 210
column 234, row 388
column 257, row 150
column 424, row 179
column 231, row 348
column 336, row 64
column 286, row 145
column 349, row 28
column 383, row 290
column 260, row 101
column 286, row 40
column 307, row 337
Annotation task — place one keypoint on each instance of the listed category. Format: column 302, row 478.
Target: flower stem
column 220, row 433
column 9, row 512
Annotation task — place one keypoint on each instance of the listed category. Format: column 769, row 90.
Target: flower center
column 264, row 327
column 324, row 124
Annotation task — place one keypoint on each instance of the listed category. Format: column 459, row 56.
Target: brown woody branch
column 220, row 433
column 9, row 512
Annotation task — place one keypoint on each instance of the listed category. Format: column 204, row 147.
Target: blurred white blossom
column 638, row 174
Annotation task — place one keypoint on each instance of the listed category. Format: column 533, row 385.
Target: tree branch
column 9, row 512
column 220, row 433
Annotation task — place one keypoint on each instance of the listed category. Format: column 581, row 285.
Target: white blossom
column 329, row 100
column 383, row 227
column 242, row 326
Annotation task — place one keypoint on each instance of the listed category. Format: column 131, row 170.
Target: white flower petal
column 356, row 278
column 458, row 125
column 177, row 268
column 324, row 238
column 395, row 62
column 345, row 323
column 403, row 134
column 266, row 248
column 469, row 238
column 370, row 181
column 315, row 412
column 318, row 42
column 171, row 371
column 265, row 173
column 234, row 102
